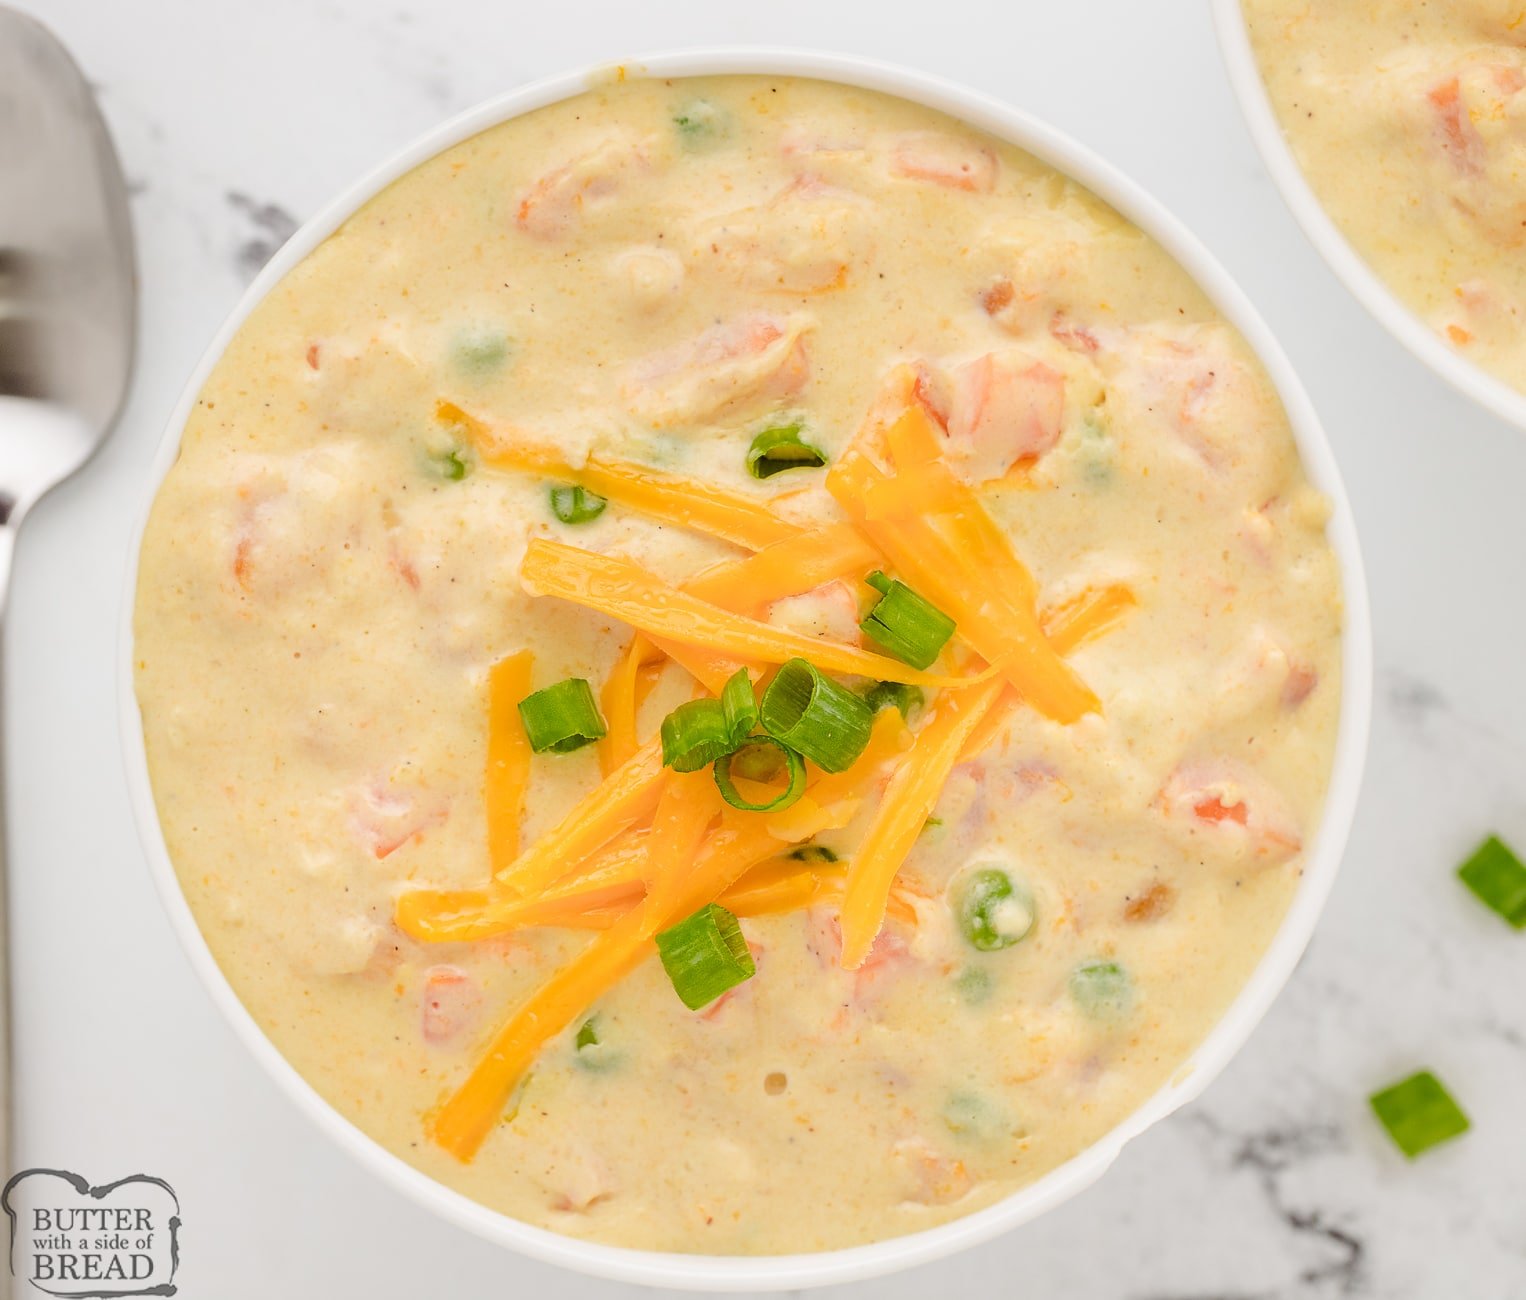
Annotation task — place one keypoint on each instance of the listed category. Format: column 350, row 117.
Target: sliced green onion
column 894, row 694
column 783, row 799
column 1498, row 878
column 780, row 448
column 815, row 716
column 592, row 1052
column 449, row 465
column 695, row 734
column 576, row 505
column 760, row 762
column 1418, row 1113
column 993, row 911
column 704, row 955
column 741, row 706
column 1102, row 990
column 561, row 718
column 812, row 853
column 905, row 625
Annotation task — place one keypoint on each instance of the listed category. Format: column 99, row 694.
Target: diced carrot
column 1216, row 810
column 508, row 757
column 672, row 498
column 625, row 591
column 1154, row 903
column 903, row 811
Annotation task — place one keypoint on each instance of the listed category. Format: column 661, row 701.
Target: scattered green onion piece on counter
column 894, row 695
column 1102, row 990
column 449, row 465
column 775, row 450
column 812, row 853
column 561, row 718
column 695, row 734
column 705, row 955
column 904, row 624
column 1418, row 1113
column 815, row 716
column 727, row 786
column 741, row 706
column 1498, row 878
column 993, row 912
column 576, row 505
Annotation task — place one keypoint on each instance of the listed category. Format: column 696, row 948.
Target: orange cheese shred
column 907, row 803
column 627, row 592
column 688, row 503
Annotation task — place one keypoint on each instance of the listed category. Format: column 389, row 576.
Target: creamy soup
column 1001, row 525
column 1409, row 121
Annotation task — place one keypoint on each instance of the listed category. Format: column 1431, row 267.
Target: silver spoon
column 68, row 303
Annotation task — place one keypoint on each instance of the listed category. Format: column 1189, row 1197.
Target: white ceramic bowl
column 1349, row 265
column 780, row 1272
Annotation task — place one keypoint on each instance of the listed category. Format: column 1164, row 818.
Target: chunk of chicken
column 1229, row 804
column 810, row 238
column 747, row 362
column 556, row 203
column 829, row 611
column 943, row 159
column 1002, row 408
column 449, row 1005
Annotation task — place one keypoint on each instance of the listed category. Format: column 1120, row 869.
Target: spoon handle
column 7, row 1081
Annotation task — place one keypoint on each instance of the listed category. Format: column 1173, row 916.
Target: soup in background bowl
column 1397, row 135
column 735, row 676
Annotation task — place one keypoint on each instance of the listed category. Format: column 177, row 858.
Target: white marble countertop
column 237, row 120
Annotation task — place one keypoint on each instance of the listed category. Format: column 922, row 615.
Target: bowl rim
column 1350, row 267
column 784, row 1272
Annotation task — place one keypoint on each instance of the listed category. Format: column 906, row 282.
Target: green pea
column 1097, row 451
column 479, row 350
column 993, row 911
column 969, row 1115
column 591, row 1052
column 974, row 985
column 1102, row 990
column 700, row 123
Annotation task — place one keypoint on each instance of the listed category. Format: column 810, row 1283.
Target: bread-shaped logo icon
column 70, row 1239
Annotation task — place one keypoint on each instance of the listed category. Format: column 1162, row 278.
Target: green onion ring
column 786, row 797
